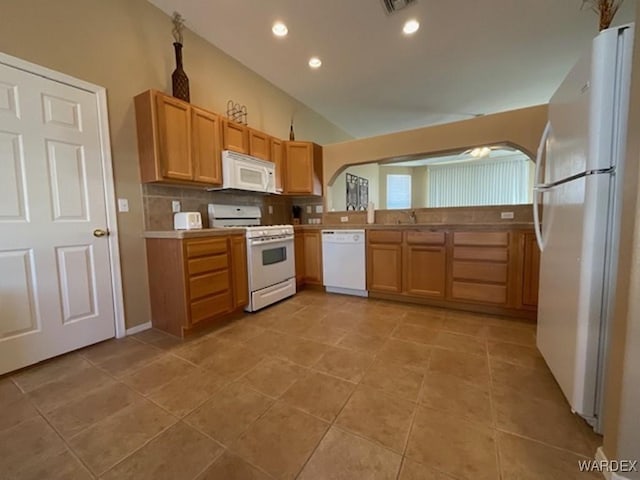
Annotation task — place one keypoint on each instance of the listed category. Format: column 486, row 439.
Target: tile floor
column 316, row 387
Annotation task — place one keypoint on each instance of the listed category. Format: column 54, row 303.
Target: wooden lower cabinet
column 484, row 271
column 384, row 261
column 308, row 256
column 196, row 281
column 425, row 270
column 530, row 269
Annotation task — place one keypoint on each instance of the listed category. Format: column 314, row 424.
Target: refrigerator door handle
column 539, row 189
column 587, row 173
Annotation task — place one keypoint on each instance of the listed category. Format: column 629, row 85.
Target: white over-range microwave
column 243, row 172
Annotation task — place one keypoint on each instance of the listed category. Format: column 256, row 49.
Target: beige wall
column 521, row 128
column 126, row 46
column 622, row 397
column 419, row 186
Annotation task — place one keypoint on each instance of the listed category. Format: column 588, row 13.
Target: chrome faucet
column 412, row 216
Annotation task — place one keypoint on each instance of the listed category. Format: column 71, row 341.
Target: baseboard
column 600, row 456
column 139, row 328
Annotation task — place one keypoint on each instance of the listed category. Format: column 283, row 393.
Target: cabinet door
column 277, row 157
column 384, row 267
column 425, row 269
column 235, row 136
column 313, row 257
column 207, row 163
column 259, row 145
column 299, row 172
column 531, row 270
column 174, row 139
column 298, row 247
column 238, row 246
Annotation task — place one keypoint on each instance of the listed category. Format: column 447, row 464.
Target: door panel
column 17, row 282
column 12, row 179
column 67, row 181
column 50, row 262
column 77, row 282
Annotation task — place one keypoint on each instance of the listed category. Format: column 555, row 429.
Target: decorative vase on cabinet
column 179, row 79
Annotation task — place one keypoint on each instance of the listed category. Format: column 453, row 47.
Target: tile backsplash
column 159, row 216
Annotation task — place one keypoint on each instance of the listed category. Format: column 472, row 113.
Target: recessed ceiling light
column 279, row 29
column 411, row 26
column 315, row 62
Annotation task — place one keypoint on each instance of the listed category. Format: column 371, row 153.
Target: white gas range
column 270, row 255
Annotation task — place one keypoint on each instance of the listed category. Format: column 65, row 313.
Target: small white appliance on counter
column 270, row 256
column 187, row 221
column 579, row 186
column 343, row 262
column 243, row 172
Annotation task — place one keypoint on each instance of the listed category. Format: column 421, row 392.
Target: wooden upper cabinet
column 206, row 146
column 259, row 145
column 277, row 157
column 174, row 142
column 177, row 143
column 235, row 136
column 303, row 174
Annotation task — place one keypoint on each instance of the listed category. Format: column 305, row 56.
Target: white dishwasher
column 343, row 262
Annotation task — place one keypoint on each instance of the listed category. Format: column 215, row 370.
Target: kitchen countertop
column 410, row 226
column 204, row 232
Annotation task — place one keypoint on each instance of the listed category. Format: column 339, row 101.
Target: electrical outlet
column 175, row 206
column 506, row 215
column 270, row 209
column 308, row 208
column 123, row 205
column 319, row 209
column 344, row 219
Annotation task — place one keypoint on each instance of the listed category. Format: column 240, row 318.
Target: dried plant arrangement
column 606, row 10
column 178, row 25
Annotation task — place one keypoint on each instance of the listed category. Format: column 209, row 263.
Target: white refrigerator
column 577, row 214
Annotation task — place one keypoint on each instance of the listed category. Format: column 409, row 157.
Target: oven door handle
column 275, row 240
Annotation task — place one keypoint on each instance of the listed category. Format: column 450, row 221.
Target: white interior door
column 55, row 276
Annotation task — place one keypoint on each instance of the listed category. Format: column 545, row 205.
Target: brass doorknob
column 98, row 232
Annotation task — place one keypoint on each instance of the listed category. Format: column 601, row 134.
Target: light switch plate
column 318, row 208
column 308, row 208
column 270, row 209
column 506, row 215
column 344, row 219
column 123, row 205
column 175, row 206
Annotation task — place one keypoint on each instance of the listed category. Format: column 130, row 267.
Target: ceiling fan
column 485, row 151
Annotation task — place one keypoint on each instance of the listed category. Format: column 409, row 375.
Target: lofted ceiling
column 469, row 57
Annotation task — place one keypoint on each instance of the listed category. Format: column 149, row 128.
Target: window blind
column 398, row 191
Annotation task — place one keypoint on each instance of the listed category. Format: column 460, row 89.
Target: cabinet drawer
column 479, row 292
column 384, row 236
column 200, row 248
column 495, row 254
column 207, row 264
column 425, row 238
column 480, row 271
column 481, row 238
column 210, row 306
column 208, row 284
